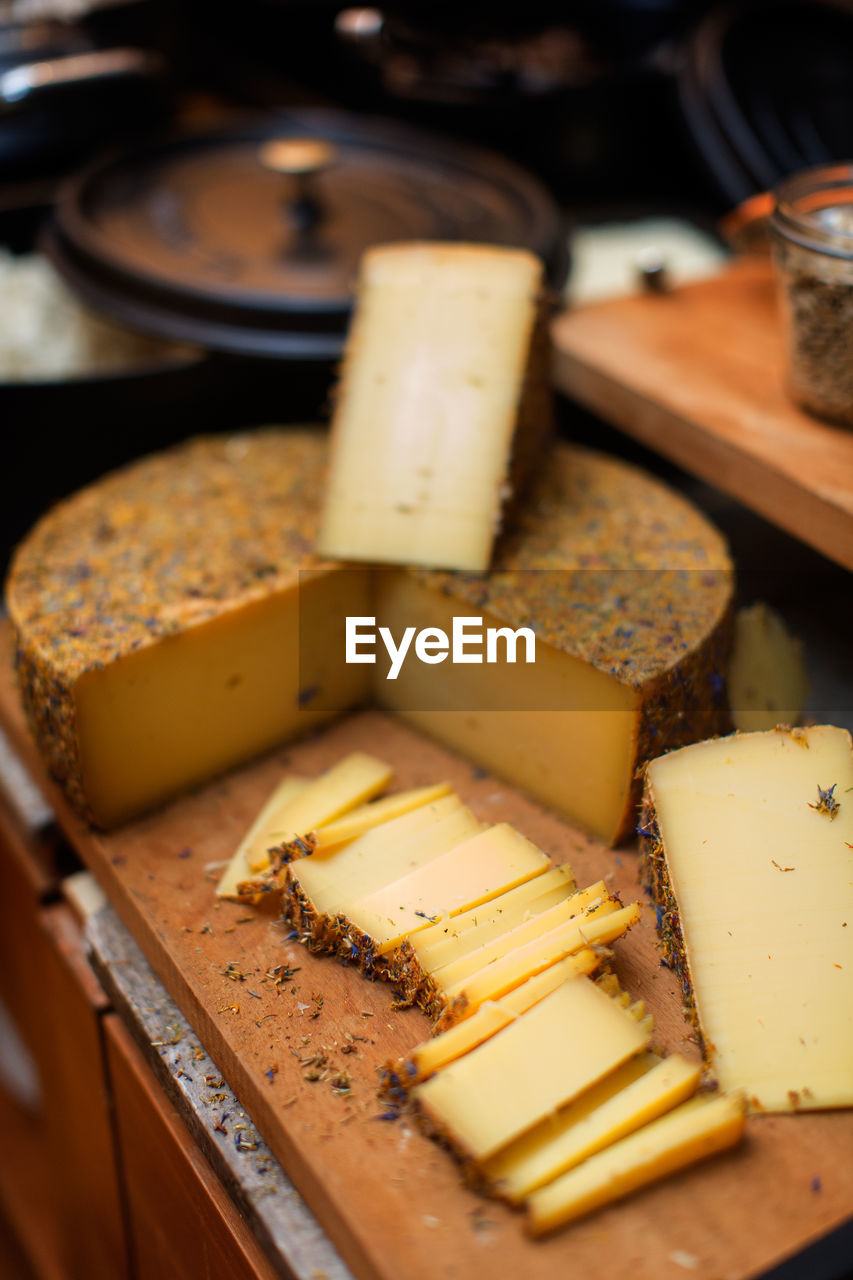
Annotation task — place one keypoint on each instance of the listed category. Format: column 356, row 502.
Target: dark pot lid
column 248, row 239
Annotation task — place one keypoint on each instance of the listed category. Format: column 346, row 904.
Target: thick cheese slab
column 636, row 1093
column 549, row 1055
column 438, row 381
column 173, row 621
column 749, row 853
column 697, row 1129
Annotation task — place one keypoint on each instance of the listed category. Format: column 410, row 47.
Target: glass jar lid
column 814, row 209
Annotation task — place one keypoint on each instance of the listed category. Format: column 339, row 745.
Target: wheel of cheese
column 173, row 621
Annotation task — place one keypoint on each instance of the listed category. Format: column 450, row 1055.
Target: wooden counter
column 390, row 1200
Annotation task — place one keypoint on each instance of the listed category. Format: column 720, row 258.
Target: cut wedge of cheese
column 431, row 408
column 173, row 621
column 353, row 780
column 470, row 873
column 696, row 1129
column 549, row 1055
column 503, row 975
column 633, row 1095
column 748, row 845
column 238, row 870
column 372, row 815
column 158, row 620
column 629, row 593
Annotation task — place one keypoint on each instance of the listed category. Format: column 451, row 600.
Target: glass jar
column 812, row 226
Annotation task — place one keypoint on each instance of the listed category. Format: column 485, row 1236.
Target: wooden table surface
column 698, row 374
column 389, row 1199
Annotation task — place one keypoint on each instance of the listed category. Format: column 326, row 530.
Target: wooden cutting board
column 390, row 1199
column 698, row 374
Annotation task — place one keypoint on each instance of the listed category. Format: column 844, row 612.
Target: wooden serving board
column 698, row 374
column 390, row 1199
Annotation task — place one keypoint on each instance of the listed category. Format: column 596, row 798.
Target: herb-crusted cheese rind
column 629, row 592
column 176, row 543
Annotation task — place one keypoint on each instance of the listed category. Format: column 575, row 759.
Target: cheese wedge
column 472, row 872
column 157, row 616
column 549, row 1055
column 613, row 683
column 502, row 976
column 768, row 682
column 748, row 852
column 431, row 408
column 696, row 1129
column 238, row 870
column 633, row 1095
column 350, row 782
column 491, row 1017
column 367, row 816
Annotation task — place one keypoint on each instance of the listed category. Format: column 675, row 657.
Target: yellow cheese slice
column 768, row 682
column 542, row 1061
column 589, row 904
column 636, row 1093
column 492, row 1016
column 696, row 1129
column 450, row 938
column 336, row 882
column 501, row 976
column 367, row 816
column 350, row 782
column 472, row 872
column 768, row 968
column 429, row 403
column 238, row 869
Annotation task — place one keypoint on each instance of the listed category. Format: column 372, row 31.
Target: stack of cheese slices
column 540, row 1061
